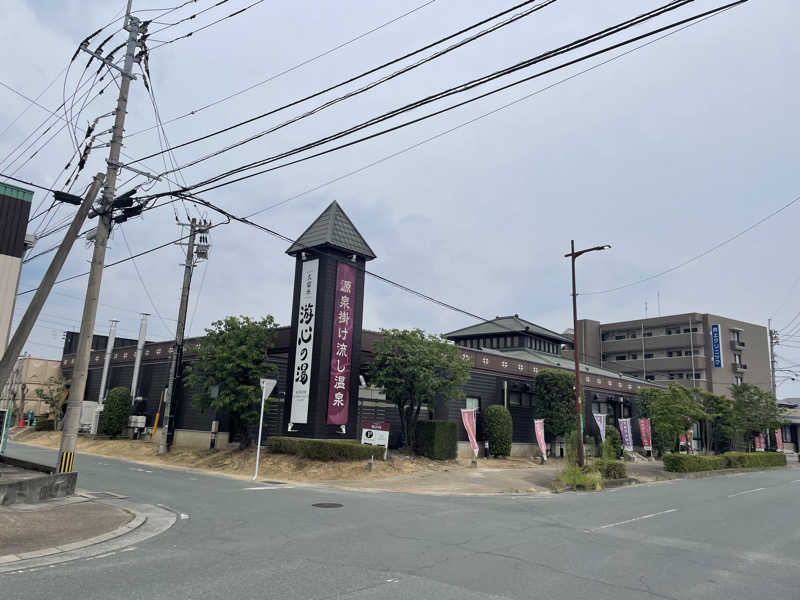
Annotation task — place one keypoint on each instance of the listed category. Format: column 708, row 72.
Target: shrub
column 45, row 425
column 498, row 430
column 612, row 447
column 436, row 439
column 743, row 460
column 116, row 410
column 683, row 463
column 611, row 469
column 324, row 450
column 579, row 479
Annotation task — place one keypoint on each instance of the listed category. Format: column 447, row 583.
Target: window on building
column 786, row 434
column 648, row 355
column 737, row 358
column 626, row 411
column 698, row 375
column 527, row 399
column 648, row 334
column 515, row 341
column 634, row 356
column 633, row 335
column 514, row 399
column 672, row 375
column 618, row 337
column 669, row 331
column 694, row 329
column 473, row 402
column 687, row 352
column 650, row 378
column 669, row 354
column 494, row 342
column 738, row 379
column 619, row 357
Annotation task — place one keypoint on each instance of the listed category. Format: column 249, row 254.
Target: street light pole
column 572, row 255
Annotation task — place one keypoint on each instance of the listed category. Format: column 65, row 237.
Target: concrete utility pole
column 177, row 349
column 80, row 372
column 43, row 291
column 139, row 352
column 773, row 341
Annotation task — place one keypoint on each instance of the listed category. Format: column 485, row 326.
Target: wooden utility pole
column 177, row 349
column 80, row 372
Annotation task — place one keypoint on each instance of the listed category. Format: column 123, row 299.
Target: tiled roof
column 512, row 324
column 333, row 228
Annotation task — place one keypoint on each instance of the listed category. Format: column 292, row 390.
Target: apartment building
column 701, row 350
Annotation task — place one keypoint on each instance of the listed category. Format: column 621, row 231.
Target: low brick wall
column 44, row 485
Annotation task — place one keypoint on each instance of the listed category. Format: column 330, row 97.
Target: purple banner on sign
column 600, row 419
column 342, row 345
column 627, row 435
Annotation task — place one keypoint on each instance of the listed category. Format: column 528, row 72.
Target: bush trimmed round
column 116, row 410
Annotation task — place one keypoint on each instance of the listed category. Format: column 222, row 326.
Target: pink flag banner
column 779, row 440
column 600, row 419
column 341, row 345
column 468, row 418
column 759, row 442
column 627, row 434
column 538, row 427
column 644, row 431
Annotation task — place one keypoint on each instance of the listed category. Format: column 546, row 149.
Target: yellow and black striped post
column 65, row 462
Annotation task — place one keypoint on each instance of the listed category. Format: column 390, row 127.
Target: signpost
column 267, row 385
column 375, row 433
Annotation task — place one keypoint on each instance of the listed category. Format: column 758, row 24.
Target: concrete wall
column 43, row 485
column 199, row 440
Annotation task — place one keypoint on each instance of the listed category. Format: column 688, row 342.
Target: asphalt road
column 728, row 537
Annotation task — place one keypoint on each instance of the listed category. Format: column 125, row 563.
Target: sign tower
column 325, row 344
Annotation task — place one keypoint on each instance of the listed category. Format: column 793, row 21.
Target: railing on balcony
column 739, row 367
column 737, row 344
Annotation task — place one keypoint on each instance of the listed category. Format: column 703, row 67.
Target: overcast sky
column 662, row 153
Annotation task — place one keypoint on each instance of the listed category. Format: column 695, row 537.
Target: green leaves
column 232, row 358
column 415, row 370
column 755, row 411
column 116, row 409
column 554, row 401
column 672, row 412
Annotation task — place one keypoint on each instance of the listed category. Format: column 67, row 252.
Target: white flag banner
column 306, row 322
column 600, row 419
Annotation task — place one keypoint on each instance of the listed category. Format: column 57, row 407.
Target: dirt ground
column 400, row 473
column 241, row 463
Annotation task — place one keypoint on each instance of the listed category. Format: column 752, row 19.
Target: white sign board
column 375, row 437
column 267, row 385
column 306, row 323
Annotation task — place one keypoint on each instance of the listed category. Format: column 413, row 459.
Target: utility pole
column 177, row 348
column 139, row 352
column 80, row 372
column 773, row 341
column 576, row 352
column 43, row 291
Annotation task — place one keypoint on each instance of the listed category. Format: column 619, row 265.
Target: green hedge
column 45, row 425
column 611, row 469
column 116, row 409
column 436, row 439
column 681, row 463
column 741, row 460
column 324, row 450
column 498, row 430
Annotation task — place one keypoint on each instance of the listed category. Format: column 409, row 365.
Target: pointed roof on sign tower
column 333, row 228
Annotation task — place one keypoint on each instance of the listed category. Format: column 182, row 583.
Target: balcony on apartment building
column 737, row 344
column 739, row 367
column 654, row 342
column 656, row 364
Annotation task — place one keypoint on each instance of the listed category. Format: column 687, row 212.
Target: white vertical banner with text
column 600, row 419
column 627, row 434
column 306, row 323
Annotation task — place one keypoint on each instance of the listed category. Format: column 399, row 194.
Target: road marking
column 184, row 516
column 650, row 516
column 270, row 487
column 106, row 555
column 746, row 492
column 795, row 481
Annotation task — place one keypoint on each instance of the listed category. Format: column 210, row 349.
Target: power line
column 30, row 183
column 141, row 280
column 386, row 116
column 373, row 84
column 697, row 256
column 289, row 69
column 199, row 29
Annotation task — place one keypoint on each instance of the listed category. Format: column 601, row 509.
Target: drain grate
column 327, row 505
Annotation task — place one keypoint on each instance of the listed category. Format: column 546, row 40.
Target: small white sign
column 267, row 385
column 375, row 437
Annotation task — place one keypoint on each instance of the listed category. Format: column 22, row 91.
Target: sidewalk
column 32, row 530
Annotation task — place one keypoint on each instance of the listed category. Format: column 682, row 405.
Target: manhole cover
column 327, row 505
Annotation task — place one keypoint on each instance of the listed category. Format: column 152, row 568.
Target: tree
column 554, row 401
column 499, row 430
column 116, row 410
column 230, row 362
column 720, row 423
column 671, row 412
column 415, row 369
column 54, row 392
column 756, row 411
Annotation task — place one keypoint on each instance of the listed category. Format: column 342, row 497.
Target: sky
column 662, row 153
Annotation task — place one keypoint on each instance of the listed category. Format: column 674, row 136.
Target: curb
column 134, row 523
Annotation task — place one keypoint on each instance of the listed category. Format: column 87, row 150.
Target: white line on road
column 270, row 487
column 746, row 492
column 650, row 516
column 184, row 516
